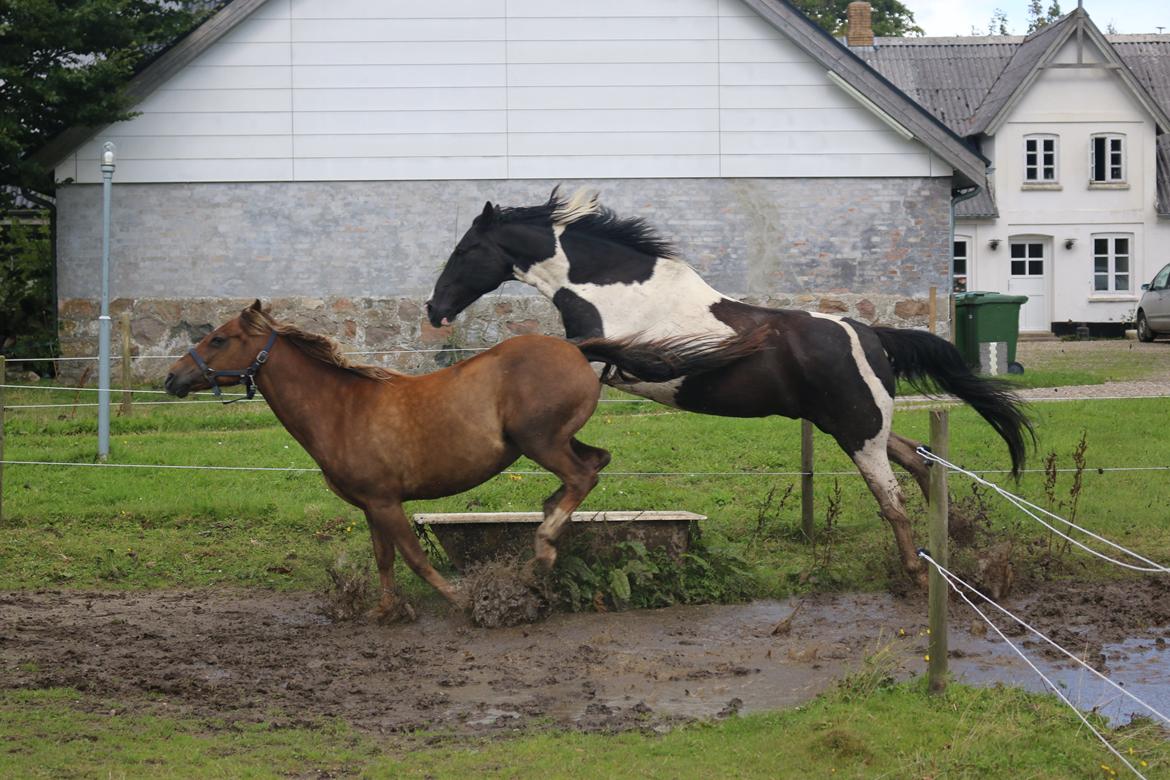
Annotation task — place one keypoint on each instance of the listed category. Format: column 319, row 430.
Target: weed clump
column 503, row 592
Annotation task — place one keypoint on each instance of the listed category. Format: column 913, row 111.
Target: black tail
column 930, row 364
column 660, row 360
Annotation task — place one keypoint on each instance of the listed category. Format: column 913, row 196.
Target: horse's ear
column 256, row 306
column 487, row 216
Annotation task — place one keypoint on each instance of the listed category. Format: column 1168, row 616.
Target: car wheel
column 1143, row 328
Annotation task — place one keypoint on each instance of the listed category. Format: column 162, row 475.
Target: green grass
column 887, row 731
column 145, row 528
column 115, row 528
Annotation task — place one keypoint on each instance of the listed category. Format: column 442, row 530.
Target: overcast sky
column 947, row 17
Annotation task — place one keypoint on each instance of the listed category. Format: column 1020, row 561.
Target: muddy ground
column 258, row 655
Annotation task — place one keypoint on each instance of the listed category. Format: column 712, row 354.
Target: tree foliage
column 26, row 294
column 997, row 25
column 65, row 63
column 1039, row 17
column 890, row 17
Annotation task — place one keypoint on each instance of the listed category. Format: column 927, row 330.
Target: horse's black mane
column 632, row 232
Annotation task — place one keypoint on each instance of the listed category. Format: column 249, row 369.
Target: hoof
column 398, row 612
column 458, row 600
column 546, row 555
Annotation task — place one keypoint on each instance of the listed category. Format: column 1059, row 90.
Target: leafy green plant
column 633, row 576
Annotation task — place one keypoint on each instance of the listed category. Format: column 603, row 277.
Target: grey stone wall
column 357, row 259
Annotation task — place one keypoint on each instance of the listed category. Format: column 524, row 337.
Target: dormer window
column 1107, row 159
column 1040, row 159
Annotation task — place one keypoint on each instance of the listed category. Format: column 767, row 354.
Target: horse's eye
column 218, row 341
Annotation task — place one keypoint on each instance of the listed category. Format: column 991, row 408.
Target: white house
column 328, row 153
column 1077, row 216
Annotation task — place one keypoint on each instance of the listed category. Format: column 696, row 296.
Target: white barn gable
column 326, row 90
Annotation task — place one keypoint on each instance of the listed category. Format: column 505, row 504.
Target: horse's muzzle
column 434, row 317
column 175, row 386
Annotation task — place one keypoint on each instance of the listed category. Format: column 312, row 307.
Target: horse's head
column 502, row 244
column 479, row 264
column 237, row 349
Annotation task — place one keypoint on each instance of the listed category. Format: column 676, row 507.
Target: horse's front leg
column 391, row 605
column 389, row 523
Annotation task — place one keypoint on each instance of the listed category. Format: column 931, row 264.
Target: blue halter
column 247, row 375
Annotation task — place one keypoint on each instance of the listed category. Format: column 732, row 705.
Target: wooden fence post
column 939, row 509
column 951, row 315
column 3, row 381
column 806, row 479
column 126, row 370
column 933, row 310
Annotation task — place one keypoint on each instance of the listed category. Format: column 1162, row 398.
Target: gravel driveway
column 1134, row 369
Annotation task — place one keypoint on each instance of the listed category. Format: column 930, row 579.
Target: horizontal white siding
column 464, row 89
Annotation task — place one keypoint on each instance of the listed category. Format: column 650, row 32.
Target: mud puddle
column 257, row 655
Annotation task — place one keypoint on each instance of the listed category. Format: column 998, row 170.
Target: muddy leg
column 903, row 452
column 879, row 476
column 390, row 606
column 577, row 465
column 395, row 529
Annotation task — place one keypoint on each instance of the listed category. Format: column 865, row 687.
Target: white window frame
column 1111, row 273
column 1029, row 259
column 1034, row 172
column 961, row 282
column 1110, row 169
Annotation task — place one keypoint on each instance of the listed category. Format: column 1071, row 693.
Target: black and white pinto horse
column 617, row 278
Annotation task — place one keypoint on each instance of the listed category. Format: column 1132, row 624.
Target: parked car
column 1153, row 311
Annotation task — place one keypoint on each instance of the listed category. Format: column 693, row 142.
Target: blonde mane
column 583, row 203
column 321, row 348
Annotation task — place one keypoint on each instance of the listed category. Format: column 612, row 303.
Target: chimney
column 859, row 24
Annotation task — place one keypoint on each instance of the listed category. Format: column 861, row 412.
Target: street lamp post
column 104, row 319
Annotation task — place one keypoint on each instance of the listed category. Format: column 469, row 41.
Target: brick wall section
column 357, row 259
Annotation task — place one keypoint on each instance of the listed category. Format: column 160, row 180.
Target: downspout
column 50, row 205
column 958, row 195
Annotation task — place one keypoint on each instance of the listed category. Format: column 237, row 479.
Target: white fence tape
column 947, row 575
column 1027, row 508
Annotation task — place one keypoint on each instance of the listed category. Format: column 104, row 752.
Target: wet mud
column 275, row 657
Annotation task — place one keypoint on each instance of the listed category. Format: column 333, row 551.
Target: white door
column 1029, row 276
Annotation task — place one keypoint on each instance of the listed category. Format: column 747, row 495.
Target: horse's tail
column 930, row 363
column 660, row 360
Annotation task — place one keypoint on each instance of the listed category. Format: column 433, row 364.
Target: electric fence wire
column 1053, row 686
column 1027, row 508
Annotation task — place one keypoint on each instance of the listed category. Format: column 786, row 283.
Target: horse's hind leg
column 388, row 521
column 875, row 467
column 577, row 466
column 595, row 457
column 904, row 452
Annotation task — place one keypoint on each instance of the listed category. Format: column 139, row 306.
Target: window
column 1111, row 256
column 1107, row 159
column 1027, row 258
column 959, row 265
column 1161, row 279
column 1040, row 159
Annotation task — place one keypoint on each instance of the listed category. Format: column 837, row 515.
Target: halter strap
column 247, row 375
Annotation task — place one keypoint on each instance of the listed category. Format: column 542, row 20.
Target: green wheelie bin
column 988, row 317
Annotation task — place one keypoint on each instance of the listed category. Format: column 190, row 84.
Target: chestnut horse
column 382, row 438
